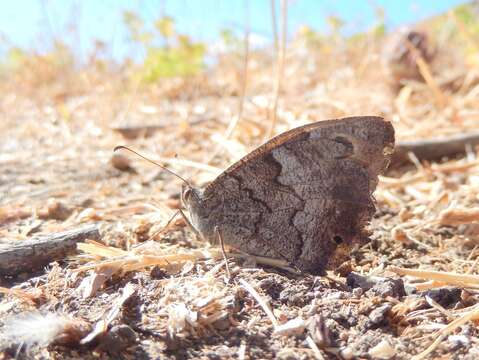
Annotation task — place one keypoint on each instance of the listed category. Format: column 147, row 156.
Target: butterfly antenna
column 121, row 147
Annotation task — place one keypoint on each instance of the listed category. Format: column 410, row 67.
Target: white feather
column 34, row 328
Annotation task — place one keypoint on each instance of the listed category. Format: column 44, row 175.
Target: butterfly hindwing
column 304, row 196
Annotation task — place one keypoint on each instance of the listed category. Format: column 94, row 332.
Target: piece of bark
column 433, row 149
column 31, row 255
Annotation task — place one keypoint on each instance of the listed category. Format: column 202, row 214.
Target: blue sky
column 33, row 23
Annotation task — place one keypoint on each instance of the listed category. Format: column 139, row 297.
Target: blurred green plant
column 57, row 60
column 379, row 28
column 178, row 55
column 467, row 22
column 231, row 41
column 469, row 17
column 459, row 29
column 312, row 39
column 335, row 24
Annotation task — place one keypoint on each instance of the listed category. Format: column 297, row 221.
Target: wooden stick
column 33, row 254
column 434, row 149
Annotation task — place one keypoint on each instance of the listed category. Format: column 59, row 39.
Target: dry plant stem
column 454, row 167
column 388, row 182
column 473, row 266
column 279, row 263
column 102, row 325
column 427, row 75
column 454, row 217
column 441, row 334
column 33, row 254
column 279, row 69
column 100, row 250
column 130, row 261
column 133, row 262
column 275, row 26
column 315, row 348
column 433, row 149
column 439, row 308
column 260, row 301
column 441, row 277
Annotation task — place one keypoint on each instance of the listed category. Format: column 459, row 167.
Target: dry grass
column 173, row 290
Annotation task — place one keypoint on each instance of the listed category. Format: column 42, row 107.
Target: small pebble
column 121, row 162
column 346, row 353
column 383, row 350
column 118, row 339
column 292, row 327
column 357, row 292
column 378, row 315
column 55, row 210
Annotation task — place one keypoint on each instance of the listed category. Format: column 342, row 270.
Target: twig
column 102, row 325
column 260, row 301
column 389, row 182
column 278, row 263
column 433, row 149
column 455, row 217
column 474, row 264
column 35, row 253
column 315, row 348
column 443, row 277
column 427, row 75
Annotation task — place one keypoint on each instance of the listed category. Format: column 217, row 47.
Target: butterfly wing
column 304, row 196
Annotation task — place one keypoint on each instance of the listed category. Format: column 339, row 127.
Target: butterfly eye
column 338, row 239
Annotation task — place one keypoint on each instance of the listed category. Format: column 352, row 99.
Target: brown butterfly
column 305, row 196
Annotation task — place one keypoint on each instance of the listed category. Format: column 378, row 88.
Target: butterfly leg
column 222, row 244
column 190, row 225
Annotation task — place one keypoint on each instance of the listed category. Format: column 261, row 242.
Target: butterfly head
column 190, row 196
column 192, row 201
